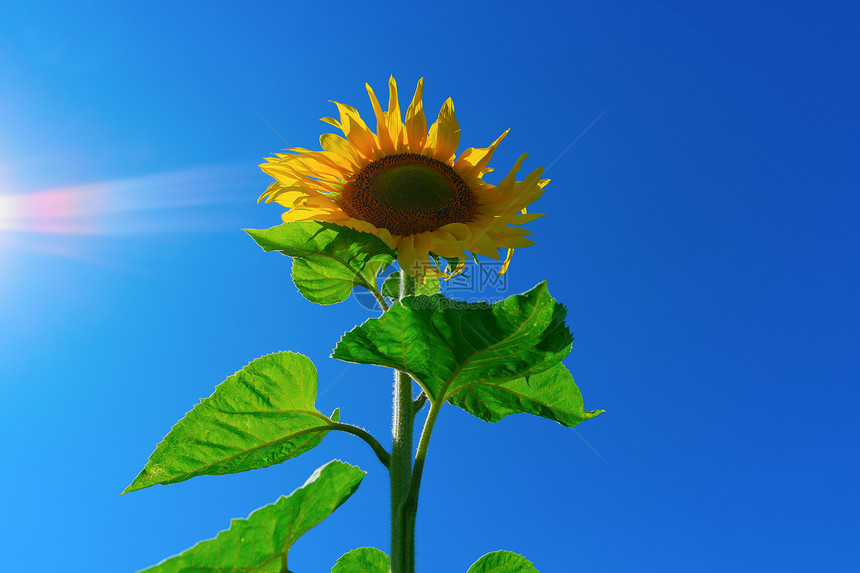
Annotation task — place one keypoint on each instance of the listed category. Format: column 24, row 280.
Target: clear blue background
column 703, row 234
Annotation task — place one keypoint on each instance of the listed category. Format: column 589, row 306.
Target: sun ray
column 119, row 206
column 50, row 220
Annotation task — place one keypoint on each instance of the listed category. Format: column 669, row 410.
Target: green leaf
column 328, row 260
column 502, row 562
column 363, row 560
column 261, row 542
column 260, row 416
column 550, row 394
column 447, row 345
column 391, row 286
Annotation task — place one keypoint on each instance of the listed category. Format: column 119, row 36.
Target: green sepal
column 328, row 260
column 260, row 543
column 447, row 345
column 260, row 416
column 363, row 560
column 451, row 262
column 502, row 562
column 391, row 286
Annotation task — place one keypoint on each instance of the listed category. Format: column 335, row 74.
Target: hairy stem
column 400, row 468
column 415, row 483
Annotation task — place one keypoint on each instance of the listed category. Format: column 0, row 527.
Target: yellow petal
column 339, row 164
column 336, row 144
column 447, row 249
column 498, row 229
column 510, row 195
column 482, row 244
column 388, row 238
column 289, row 198
column 395, row 123
column 407, row 258
column 285, row 177
column 523, row 218
column 460, row 231
column 272, row 191
column 509, row 179
column 313, row 167
column 520, row 197
column 532, row 178
column 507, row 262
column 321, row 202
column 416, row 123
column 331, row 121
column 422, row 246
column 444, row 136
column 445, row 243
column 345, row 111
column 299, row 215
column 362, row 226
column 512, row 242
column 356, row 131
column 385, row 142
column 472, row 163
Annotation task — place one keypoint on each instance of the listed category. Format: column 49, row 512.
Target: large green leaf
column 328, row 260
column 261, row 542
column 260, row 416
column 502, row 562
column 550, row 394
column 363, row 560
column 446, row 345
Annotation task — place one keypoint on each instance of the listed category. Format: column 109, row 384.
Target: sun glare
column 43, row 220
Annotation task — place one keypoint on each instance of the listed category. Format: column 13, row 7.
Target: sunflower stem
column 400, row 468
column 418, row 470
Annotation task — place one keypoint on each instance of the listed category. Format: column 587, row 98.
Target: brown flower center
column 408, row 194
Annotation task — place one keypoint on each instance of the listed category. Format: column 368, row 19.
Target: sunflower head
column 406, row 185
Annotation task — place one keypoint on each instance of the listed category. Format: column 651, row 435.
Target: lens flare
column 47, row 220
column 122, row 206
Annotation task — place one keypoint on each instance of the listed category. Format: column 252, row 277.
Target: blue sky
column 702, row 231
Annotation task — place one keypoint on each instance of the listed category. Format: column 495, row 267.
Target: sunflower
column 407, row 186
